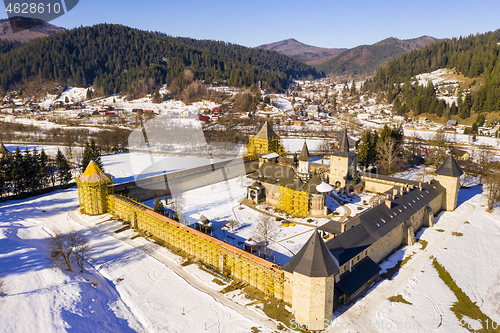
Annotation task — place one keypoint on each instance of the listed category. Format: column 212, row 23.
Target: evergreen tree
column 159, row 206
column 35, row 178
column 18, row 173
column 386, row 133
column 3, row 176
column 364, row 148
column 91, row 152
column 63, row 168
column 43, row 169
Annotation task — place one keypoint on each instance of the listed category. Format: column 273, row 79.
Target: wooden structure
column 93, row 189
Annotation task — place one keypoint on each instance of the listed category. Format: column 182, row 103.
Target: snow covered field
column 126, row 286
column 466, row 243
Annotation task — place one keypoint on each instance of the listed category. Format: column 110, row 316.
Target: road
column 366, row 308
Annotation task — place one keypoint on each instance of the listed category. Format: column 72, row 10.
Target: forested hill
column 366, row 59
column 473, row 56
column 116, row 58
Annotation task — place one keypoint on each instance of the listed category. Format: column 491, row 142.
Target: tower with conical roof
column 265, row 142
column 304, row 164
column 448, row 176
column 342, row 162
column 93, row 189
column 312, row 274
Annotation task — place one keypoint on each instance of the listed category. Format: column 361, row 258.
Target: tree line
column 115, row 58
column 32, row 171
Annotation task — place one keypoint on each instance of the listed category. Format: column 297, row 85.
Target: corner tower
column 93, row 189
column 341, row 162
column 448, row 176
column 312, row 274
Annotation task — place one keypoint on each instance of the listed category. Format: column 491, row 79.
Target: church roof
column 314, row 259
column 93, row 174
column 304, row 155
column 266, row 132
column 3, row 150
column 324, row 187
column 450, row 168
column 344, row 142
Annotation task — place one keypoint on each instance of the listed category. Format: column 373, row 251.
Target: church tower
column 93, row 189
column 311, row 273
column 304, row 165
column 448, row 176
column 341, row 163
column 265, row 142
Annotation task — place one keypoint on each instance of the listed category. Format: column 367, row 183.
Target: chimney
column 394, row 192
column 420, row 186
column 388, row 203
column 401, row 190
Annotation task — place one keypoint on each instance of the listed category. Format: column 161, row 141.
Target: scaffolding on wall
column 93, row 190
column 258, row 146
column 294, row 203
column 220, row 256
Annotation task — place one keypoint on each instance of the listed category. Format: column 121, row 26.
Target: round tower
column 448, row 176
column 93, row 189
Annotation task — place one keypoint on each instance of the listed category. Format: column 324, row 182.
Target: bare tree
column 2, row 286
column 81, row 248
column 492, row 182
column 266, row 230
column 388, row 153
column 61, row 247
column 482, row 157
column 232, row 223
column 178, row 204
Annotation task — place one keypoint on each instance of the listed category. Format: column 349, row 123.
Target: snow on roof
column 324, row 187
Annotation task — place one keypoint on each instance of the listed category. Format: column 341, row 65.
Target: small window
column 358, row 258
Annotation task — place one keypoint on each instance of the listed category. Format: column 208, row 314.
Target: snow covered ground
column 126, row 286
column 466, row 243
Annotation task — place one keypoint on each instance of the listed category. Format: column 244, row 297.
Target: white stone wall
column 312, row 300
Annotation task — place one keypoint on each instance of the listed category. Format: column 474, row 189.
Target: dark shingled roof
column 352, row 142
column 361, row 273
column 313, row 260
column 376, row 222
column 284, row 175
column 266, row 132
column 450, row 168
column 304, row 155
column 344, row 142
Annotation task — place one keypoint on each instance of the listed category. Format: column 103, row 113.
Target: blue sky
column 320, row 23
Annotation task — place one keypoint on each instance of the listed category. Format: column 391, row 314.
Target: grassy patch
column 405, row 260
column 393, row 270
column 218, row 281
column 187, row 262
column 439, row 230
column 466, row 222
column 458, row 234
column 255, row 329
column 233, row 286
column 464, row 306
column 122, row 229
column 400, row 299
column 424, row 244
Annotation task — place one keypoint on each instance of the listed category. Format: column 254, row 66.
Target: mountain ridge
column 301, row 51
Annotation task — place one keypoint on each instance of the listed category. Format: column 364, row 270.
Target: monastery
column 337, row 263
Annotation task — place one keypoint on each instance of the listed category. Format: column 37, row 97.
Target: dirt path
column 365, row 309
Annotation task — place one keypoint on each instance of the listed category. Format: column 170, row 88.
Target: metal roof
column 304, row 155
column 450, row 168
column 313, row 260
column 344, row 142
column 376, row 222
